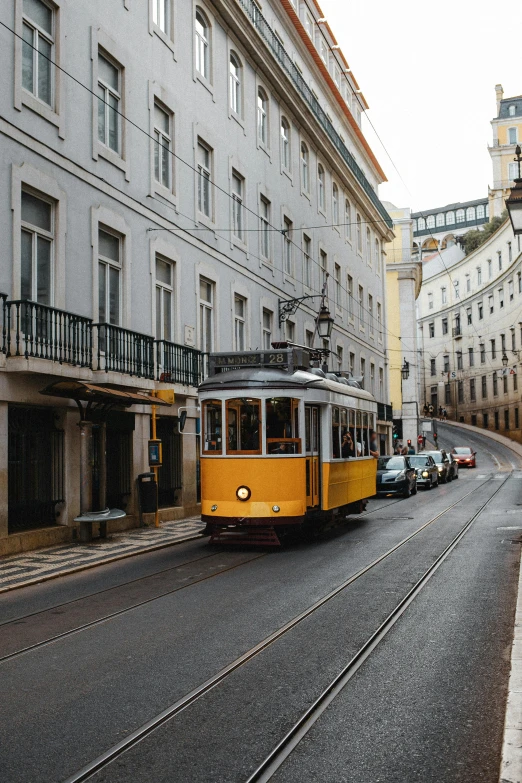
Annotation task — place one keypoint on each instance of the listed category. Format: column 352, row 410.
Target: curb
column 510, row 444
column 85, row 566
column 511, row 763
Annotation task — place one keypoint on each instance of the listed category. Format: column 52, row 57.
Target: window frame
column 36, row 232
column 235, row 85
column 202, row 44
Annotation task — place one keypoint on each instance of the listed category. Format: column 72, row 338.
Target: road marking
column 509, row 528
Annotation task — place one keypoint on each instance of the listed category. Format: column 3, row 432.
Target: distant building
column 438, row 229
column 507, row 133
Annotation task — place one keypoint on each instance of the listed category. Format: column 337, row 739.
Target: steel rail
column 181, row 704
column 291, row 740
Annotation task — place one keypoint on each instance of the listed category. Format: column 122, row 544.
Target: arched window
column 430, row 221
column 440, row 219
column 421, row 224
column 305, row 171
column 320, row 186
column 470, row 213
column 368, row 246
column 377, row 248
column 285, row 143
column 348, row 220
column 335, row 204
column 235, row 84
column 202, row 45
column 450, row 218
column 460, row 216
column 262, row 116
column 481, row 212
column 359, row 233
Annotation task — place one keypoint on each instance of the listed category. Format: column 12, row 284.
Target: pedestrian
column 404, row 451
column 347, row 449
column 425, row 409
column 440, row 412
column 411, row 449
column 431, row 410
column 444, row 414
column 374, row 446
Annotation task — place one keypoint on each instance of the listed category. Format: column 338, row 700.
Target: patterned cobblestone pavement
column 31, row 567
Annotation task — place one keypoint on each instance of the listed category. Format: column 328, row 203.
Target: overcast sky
column 428, row 72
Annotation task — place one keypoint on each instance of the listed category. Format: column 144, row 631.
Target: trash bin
column 147, row 493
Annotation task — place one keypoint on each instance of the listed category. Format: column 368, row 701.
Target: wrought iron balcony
column 457, row 331
column 178, row 363
column 121, row 350
column 32, row 329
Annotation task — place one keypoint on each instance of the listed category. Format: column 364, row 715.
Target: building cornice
column 407, row 270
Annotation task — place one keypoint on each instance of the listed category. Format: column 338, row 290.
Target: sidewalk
column 32, row 567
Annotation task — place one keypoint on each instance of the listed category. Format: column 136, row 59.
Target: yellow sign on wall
column 167, row 395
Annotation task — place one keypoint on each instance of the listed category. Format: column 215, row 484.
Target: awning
column 99, row 395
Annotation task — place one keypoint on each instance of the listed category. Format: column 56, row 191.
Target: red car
column 465, row 456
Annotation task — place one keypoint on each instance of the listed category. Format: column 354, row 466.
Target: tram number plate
column 251, row 359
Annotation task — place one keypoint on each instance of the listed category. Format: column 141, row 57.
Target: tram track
column 284, row 748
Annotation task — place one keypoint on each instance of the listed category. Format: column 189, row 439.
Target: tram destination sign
column 288, row 359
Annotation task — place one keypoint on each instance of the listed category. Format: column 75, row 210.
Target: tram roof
column 267, row 378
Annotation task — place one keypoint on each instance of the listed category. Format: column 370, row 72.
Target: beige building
column 507, row 133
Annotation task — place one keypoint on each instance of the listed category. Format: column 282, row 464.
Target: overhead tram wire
column 182, row 160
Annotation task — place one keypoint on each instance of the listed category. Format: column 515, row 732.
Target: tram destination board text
column 289, row 359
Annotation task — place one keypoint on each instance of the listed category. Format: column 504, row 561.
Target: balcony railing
column 178, row 364
column 265, row 31
column 121, row 350
column 457, row 331
column 35, row 330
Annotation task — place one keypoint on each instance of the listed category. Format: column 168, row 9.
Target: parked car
column 442, row 462
column 454, row 467
column 396, row 476
column 465, row 456
column 426, row 471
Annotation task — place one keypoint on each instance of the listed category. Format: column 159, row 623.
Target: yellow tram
column 272, row 459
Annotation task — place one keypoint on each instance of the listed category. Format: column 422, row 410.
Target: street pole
column 85, row 475
column 155, row 469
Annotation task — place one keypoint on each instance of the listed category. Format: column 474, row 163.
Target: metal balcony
column 456, row 332
column 32, row 329
column 178, row 363
column 121, row 350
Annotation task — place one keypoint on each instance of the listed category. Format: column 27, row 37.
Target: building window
column 287, row 247
column 470, row 214
column 519, row 278
column 206, row 315
column 513, row 339
column 471, row 357
column 372, row 378
column 285, row 144
column 445, row 360
column 109, row 277
column 109, row 97
column 204, row 181
column 160, row 14
column 379, row 320
column 495, row 384
column 37, row 241
column 305, row 168
column 235, row 84
column 472, row 391
column 164, row 299
column 493, row 349
column 348, row 220
column 503, row 343
column 431, row 329
column 479, row 275
column 335, row 205
column 444, row 326
column 501, row 298
column 450, row 218
column 340, row 357
column 505, row 383
column 484, row 387
column 482, row 353
column 359, row 234
column 461, row 217
column 512, row 136
column 202, row 31
column 439, row 220
column 459, row 360
column 239, row 323
column 469, row 316
column 361, row 306
column 517, row 425
column 430, row 221
column 368, row 246
column 381, row 383
column 309, row 338
column 320, row 187
column 290, row 331
column 480, row 311
column 443, row 295
column 430, row 301
column 323, row 263
column 238, row 186
column 433, row 369
column 460, row 391
column 268, row 317
column 499, row 254
column 456, row 287
column 421, row 223
column 468, row 283
column 264, row 220
column 490, row 269
column 447, row 394
column 370, row 313
column 515, row 379
column 490, row 304
column 510, row 253
column 350, row 295
column 363, row 372
column 481, row 212
column 38, row 50
column 162, row 146
column 511, row 110
column 337, row 279
column 307, row 248
column 262, row 117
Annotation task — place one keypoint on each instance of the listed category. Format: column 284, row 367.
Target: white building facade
column 186, row 166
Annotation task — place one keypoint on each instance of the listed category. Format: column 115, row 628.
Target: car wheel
column 456, row 476
column 436, row 482
column 444, row 480
column 428, row 485
column 407, row 492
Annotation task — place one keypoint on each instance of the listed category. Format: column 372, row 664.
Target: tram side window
column 347, row 447
column 336, row 434
column 282, row 426
column 243, row 426
column 212, row 427
column 365, row 435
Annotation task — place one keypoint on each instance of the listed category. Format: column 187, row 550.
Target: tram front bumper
column 252, row 512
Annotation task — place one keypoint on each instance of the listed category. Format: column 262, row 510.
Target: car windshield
column 461, row 450
column 419, row 461
column 391, row 463
column 437, row 456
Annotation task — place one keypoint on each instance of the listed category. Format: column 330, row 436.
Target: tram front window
column 212, row 426
column 282, row 426
column 243, row 426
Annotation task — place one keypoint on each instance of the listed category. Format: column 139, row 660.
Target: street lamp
column 505, row 360
column 405, row 370
column 514, row 202
column 325, row 323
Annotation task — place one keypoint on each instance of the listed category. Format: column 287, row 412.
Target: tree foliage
column 475, row 238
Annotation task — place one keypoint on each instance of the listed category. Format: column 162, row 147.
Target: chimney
column 499, row 94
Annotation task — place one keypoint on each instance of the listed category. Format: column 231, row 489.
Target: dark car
column 454, row 466
column 426, row 470
column 396, row 476
column 442, row 462
column 465, row 456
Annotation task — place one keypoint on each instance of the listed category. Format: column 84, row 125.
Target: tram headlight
column 276, row 509
column 243, row 493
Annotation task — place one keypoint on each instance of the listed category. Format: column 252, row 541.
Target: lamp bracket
column 288, row 307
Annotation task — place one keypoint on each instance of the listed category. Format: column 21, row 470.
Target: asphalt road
column 428, row 705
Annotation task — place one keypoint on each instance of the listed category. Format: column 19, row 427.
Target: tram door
column 312, row 455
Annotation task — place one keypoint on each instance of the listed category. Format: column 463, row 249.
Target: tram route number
column 284, row 358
